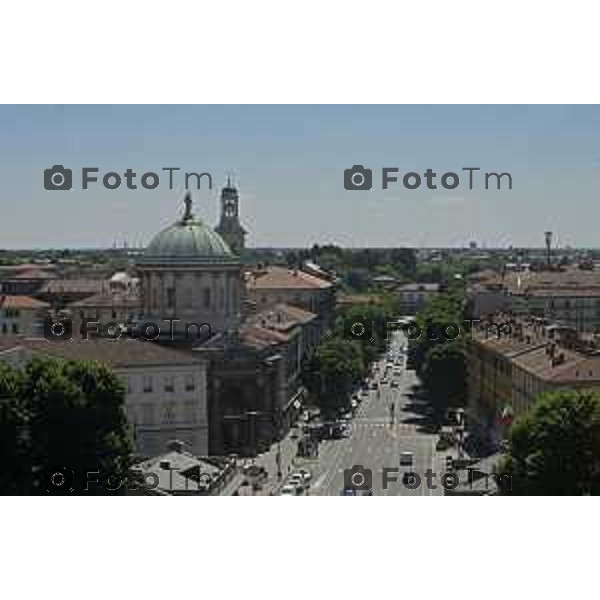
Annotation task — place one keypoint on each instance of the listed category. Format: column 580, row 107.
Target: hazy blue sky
column 289, row 163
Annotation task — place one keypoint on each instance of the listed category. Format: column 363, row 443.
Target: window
column 206, row 297
column 168, row 413
column 147, row 383
column 169, row 383
column 190, row 384
column 4, row 328
column 15, row 328
column 129, row 385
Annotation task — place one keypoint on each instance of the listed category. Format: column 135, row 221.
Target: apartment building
column 568, row 297
column 165, row 387
column 512, row 369
column 22, row 315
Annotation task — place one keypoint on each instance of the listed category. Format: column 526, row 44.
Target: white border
column 267, row 51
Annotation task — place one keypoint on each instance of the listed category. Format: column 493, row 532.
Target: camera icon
column 58, row 330
column 358, row 178
column 59, row 480
column 358, row 479
column 58, row 178
column 358, row 329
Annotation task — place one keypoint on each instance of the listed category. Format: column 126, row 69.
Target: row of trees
column 441, row 362
column 60, row 417
column 341, row 362
column 357, row 267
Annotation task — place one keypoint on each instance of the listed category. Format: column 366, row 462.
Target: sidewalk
column 268, row 460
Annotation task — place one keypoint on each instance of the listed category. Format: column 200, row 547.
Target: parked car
column 289, row 490
column 255, row 475
column 306, row 475
column 406, row 459
column 353, row 492
column 297, row 480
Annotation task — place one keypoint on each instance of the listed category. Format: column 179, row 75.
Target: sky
column 288, row 163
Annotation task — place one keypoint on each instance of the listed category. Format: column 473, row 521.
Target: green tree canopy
column 332, row 372
column 555, row 448
column 57, row 413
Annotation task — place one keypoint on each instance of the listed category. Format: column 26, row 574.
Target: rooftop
column 124, row 352
column 108, row 300
column 274, row 277
column 72, row 286
column 188, row 241
column 22, row 303
column 282, row 317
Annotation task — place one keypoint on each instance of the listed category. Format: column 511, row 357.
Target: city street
column 376, row 443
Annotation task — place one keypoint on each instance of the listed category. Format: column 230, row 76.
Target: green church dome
column 188, row 240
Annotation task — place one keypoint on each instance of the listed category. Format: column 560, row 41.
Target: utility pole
column 548, row 236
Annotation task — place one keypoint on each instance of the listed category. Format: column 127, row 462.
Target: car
column 306, row 474
column 297, row 480
column 406, row 459
column 353, row 492
column 374, row 385
column 384, row 381
column 394, row 384
column 303, row 476
column 288, row 490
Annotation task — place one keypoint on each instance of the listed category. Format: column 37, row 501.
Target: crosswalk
column 379, row 423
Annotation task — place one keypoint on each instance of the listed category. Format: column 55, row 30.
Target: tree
column 68, row 415
column 555, row 448
column 332, row 372
column 15, row 473
column 444, row 375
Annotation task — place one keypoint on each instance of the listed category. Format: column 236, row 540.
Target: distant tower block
column 229, row 227
column 548, row 236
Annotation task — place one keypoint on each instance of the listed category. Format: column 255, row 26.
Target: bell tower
column 229, row 227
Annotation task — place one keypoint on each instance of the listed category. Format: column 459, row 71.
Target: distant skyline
column 288, row 163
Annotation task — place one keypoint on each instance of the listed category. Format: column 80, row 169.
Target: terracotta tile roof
column 282, row 317
column 571, row 279
column 575, row 367
column 22, row 303
column 121, row 353
column 261, row 337
column 58, row 286
column 282, row 278
column 108, row 300
column 35, row 273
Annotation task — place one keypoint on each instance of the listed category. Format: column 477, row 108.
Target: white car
column 297, row 481
column 288, row 490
